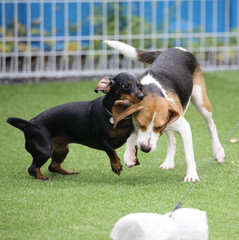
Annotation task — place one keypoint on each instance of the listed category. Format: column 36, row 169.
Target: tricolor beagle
column 173, row 79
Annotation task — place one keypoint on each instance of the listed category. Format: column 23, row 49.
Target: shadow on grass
column 129, row 177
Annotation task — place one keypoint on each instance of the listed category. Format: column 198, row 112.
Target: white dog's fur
column 183, row 224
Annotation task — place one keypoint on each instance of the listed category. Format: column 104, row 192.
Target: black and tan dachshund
column 89, row 123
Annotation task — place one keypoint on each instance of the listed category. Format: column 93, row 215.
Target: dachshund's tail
column 133, row 53
column 20, row 123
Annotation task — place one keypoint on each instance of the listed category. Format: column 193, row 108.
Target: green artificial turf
column 87, row 205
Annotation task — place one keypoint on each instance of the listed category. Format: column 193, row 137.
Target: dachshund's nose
column 140, row 96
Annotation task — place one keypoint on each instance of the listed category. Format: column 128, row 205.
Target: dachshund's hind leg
column 58, row 156
column 39, row 147
column 39, row 159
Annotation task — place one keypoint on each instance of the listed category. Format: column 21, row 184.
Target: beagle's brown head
column 125, row 86
column 151, row 116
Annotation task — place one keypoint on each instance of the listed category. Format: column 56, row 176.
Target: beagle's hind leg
column 59, row 153
column 202, row 104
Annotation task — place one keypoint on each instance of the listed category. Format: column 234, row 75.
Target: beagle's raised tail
column 133, row 53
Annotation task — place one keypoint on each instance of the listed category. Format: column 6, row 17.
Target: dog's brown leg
column 58, row 156
column 38, row 160
column 35, row 172
column 115, row 163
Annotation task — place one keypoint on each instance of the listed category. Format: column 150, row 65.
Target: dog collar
column 111, row 120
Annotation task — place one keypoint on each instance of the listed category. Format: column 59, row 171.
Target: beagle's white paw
column 219, row 155
column 167, row 165
column 192, row 177
column 130, row 163
column 130, row 158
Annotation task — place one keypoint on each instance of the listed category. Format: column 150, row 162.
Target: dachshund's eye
column 140, row 87
column 126, row 86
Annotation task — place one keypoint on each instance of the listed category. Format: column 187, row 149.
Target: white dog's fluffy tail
column 133, row 53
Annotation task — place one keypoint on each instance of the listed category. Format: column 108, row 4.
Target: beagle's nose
column 145, row 148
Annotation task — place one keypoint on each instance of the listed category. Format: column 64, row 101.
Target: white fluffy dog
column 182, row 224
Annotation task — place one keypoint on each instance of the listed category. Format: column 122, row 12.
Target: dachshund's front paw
column 117, row 168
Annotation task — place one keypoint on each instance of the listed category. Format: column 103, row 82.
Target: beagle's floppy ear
column 104, row 85
column 124, row 108
column 173, row 115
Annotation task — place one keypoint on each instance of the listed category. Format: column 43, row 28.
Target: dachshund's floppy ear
column 104, row 85
column 124, row 108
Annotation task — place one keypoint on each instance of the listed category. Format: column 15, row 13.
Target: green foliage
column 87, row 205
column 22, row 31
column 123, row 29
